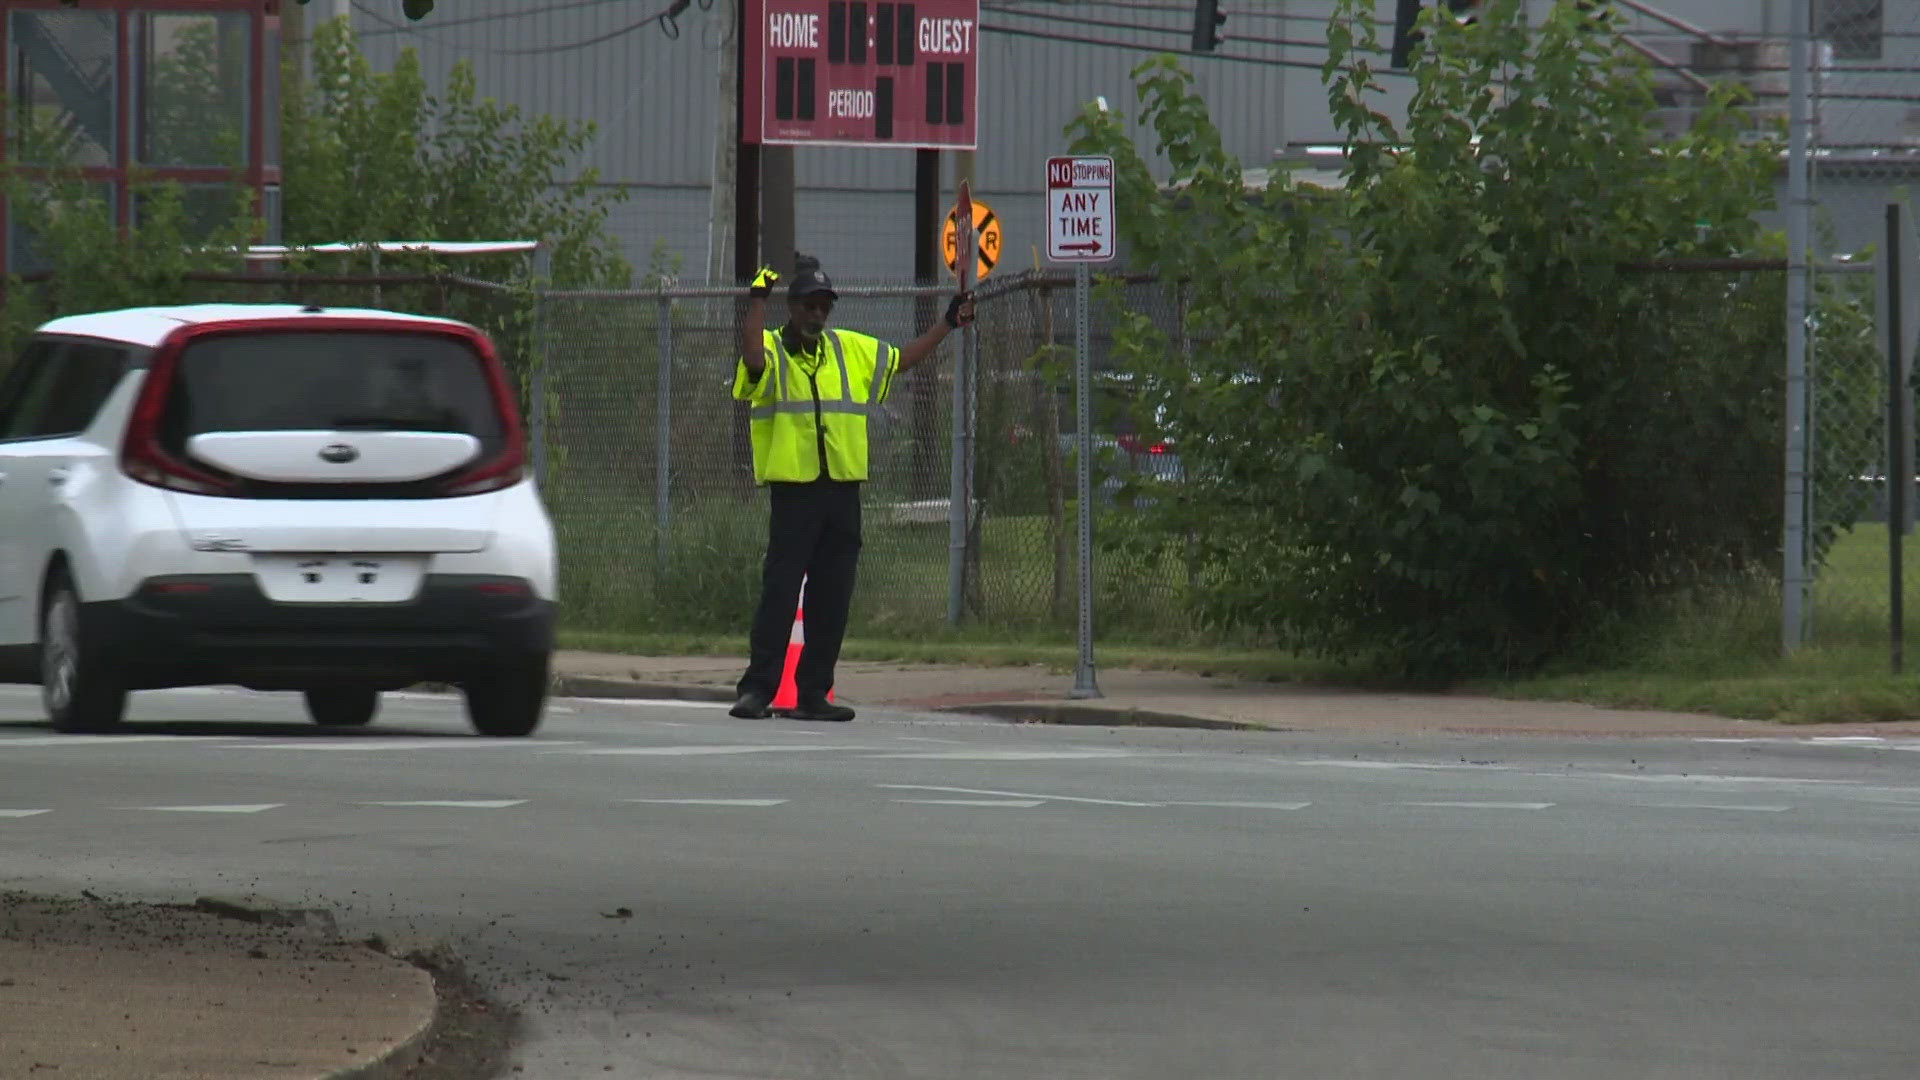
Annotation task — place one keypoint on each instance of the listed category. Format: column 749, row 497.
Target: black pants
column 814, row 533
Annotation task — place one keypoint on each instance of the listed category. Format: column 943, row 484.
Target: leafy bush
column 1439, row 425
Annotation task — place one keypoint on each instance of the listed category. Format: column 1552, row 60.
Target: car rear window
column 349, row 381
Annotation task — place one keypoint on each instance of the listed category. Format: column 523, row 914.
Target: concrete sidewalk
column 1038, row 694
column 93, row 989
column 224, row 992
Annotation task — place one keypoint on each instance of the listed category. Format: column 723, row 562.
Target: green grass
column 1716, row 652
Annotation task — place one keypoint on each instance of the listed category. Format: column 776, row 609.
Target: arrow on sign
column 1091, row 245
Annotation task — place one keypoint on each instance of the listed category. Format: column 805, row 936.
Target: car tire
column 77, row 684
column 507, row 701
column 343, row 706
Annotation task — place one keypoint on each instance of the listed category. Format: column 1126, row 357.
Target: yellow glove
column 763, row 282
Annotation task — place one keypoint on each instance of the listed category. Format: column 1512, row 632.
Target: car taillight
column 143, row 458
column 502, row 470
column 1157, row 448
column 509, row 466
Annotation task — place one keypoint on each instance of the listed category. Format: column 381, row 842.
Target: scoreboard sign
column 863, row 73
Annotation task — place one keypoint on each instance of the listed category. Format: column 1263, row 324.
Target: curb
column 1018, row 712
column 394, row 1061
column 1098, row 716
column 588, row 686
column 398, row 1059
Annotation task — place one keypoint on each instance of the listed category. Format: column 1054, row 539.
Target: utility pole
column 746, row 174
column 777, row 227
column 927, row 218
column 725, row 139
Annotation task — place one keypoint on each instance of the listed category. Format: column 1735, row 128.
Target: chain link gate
column 647, row 466
column 1866, row 57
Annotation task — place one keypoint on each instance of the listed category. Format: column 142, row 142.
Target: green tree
column 380, row 156
column 1429, row 421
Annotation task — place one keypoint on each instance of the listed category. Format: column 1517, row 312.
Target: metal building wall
column 653, row 98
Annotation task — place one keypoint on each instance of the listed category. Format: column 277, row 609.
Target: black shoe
column 819, row 709
column 752, row 705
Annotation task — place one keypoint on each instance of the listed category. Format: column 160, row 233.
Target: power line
column 1248, row 39
column 498, row 16
column 1075, row 39
column 665, row 17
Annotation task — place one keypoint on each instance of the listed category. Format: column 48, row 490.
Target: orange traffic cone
column 788, row 696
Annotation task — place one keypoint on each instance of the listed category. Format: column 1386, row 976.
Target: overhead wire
column 665, row 17
column 438, row 23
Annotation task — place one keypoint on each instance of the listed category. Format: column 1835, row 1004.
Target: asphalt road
column 908, row 897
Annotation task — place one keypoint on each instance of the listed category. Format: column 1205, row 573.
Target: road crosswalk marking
column 702, row 750
column 1248, row 805
column 1021, row 804
column 1012, row 794
column 709, row 802
column 1444, row 805
column 455, row 804
column 242, row 808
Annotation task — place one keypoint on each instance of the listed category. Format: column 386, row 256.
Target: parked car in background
column 335, row 502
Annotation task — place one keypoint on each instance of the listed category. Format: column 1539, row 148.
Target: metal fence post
column 1793, row 592
column 1893, row 289
column 957, row 508
column 663, row 441
column 537, row 390
column 1085, row 684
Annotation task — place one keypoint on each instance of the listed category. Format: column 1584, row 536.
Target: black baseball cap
column 810, row 280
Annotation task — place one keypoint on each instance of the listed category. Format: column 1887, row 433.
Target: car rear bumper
column 219, row 628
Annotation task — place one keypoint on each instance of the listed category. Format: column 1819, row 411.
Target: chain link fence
column 1865, row 152
column 649, row 472
column 646, row 464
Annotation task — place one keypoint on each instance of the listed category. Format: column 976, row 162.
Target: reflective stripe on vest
column 784, row 378
column 793, row 420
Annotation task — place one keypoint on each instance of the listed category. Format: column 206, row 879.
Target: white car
column 288, row 498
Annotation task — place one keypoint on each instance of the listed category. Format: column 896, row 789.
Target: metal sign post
column 1080, row 230
column 960, row 489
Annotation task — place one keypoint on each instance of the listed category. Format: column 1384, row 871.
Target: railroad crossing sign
column 986, row 239
column 1080, row 223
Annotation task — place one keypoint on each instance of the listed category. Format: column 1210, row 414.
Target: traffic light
column 1206, row 25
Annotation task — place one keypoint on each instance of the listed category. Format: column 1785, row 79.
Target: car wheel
column 348, row 706
column 77, row 687
column 507, row 701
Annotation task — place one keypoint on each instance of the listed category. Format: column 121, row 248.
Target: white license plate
column 339, row 579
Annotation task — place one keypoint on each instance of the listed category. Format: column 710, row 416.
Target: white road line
column 1010, row 755
column 104, row 740
column 1396, row 765
column 1011, row 794
column 1713, row 806
column 456, row 804
column 1693, row 778
column 22, row 813
column 354, row 745
column 241, row 808
column 708, row 802
column 1248, row 805
column 924, row 738
column 1480, row 805
column 700, row 751
column 1016, row 804
column 656, row 703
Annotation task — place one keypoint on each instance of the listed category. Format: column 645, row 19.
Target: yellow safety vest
column 798, row 417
